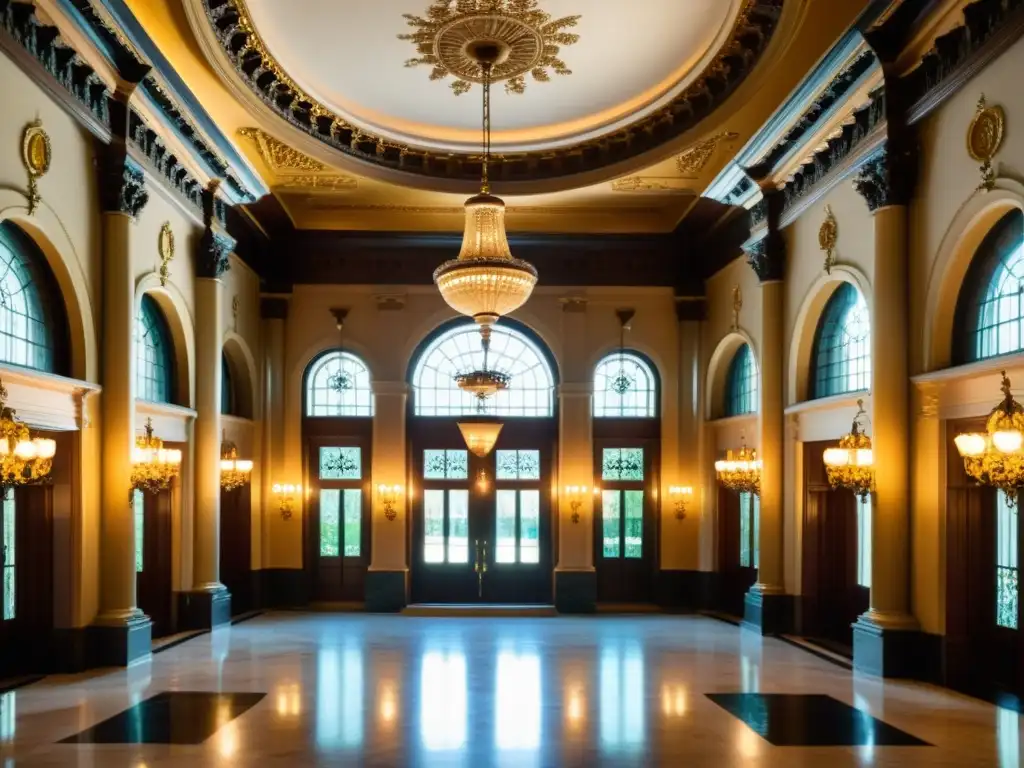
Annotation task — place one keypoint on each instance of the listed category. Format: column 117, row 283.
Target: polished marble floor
column 292, row 689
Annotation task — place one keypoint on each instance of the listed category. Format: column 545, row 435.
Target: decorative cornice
column 652, row 184
column 215, row 246
column 164, row 162
column 695, row 159
column 886, row 179
column 295, row 169
column 122, row 185
column 251, row 59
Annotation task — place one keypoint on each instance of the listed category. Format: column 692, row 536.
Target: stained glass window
column 741, row 384
column 139, row 510
column 154, row 356
column 338, row 384
column 623, row 464
column 1006, row 564
column 842, row 345
column 625, row 386
column 458, row 350
column 31, row 310
column 445, row 465
column 864, row 541
column 341, row 463
column 10, row 607
column 518, row 465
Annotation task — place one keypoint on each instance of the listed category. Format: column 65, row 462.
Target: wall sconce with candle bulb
column 575, row 494
column 681, row 495
column 286, row 493
column 388, row 495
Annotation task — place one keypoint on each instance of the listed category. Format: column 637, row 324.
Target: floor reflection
column 517, row 708
column 622, row 698
column 339, row 697
column 443, row 699
column 1008, row 729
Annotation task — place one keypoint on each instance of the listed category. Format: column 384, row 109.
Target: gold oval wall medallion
column 165, row 247
column 985, row 139
column 36, row 155
column 828, row 236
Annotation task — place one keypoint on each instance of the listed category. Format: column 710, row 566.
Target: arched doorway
column 482, row 529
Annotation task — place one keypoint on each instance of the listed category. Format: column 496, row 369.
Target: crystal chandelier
column 234, row 472
column 996, row 458
column 622, row 382
column 153, row 466
column 23, row 459
column 740, row 472
column 851, row 465
column 485, row 281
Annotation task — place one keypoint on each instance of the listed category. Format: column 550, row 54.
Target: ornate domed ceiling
column 586, row 84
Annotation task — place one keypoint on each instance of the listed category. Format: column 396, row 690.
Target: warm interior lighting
column 234, row 472
column 970, row 444
column 574, row 495
column 681, row 495
column 389, row 495
column 740, row 472
column 851, row 465
column 480, row 436
column 1007, row 441
column 286, row 493
column 31, row 459
column 153, row 466
column 995, row 458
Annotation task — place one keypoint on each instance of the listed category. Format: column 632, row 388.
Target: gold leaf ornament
column 828, row 236
column 985, row 139
column 36, row 155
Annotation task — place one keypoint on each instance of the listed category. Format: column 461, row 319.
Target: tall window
column 842, row 345
column 10, row 586
column 32, row 322
column 990, row 310
column 338, row 384
column 1006, row 564
column 154, row 358
column 341, row 504
column 864, row 541
column 228, row 405
column 625, row 386
column 750, row 529
column 457, row 350
column 741, row 384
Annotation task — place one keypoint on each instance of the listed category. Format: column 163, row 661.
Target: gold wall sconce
column 575, row 494
column 388, row 495
column 286, row 493
column 681, row 495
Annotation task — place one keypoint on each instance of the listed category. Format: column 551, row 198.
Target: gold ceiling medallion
column 650, row 184
column 294, row 169
column 529, row 41
column 165, row 247
column 696, row 158
column 828, row 236
column 985, row 139
column 737, row 305
column 36, row 154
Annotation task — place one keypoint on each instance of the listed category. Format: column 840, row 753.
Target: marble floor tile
column 366, row 690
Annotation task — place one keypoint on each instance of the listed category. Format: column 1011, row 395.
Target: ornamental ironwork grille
column 338, row 384
column 29, row 303
column 625, row 386
column 741, row 384
column 842, row 347
column 529, row 395
column 154, row 357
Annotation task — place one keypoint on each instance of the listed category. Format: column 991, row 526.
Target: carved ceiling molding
column 296, row 170
column 670, row 184
column 695, row 159
column 249, row 56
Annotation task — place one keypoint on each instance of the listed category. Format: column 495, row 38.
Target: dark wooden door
column 26, row 586
column 153, row 568
column 236, row 546
column 737, row 548
column 625, row 519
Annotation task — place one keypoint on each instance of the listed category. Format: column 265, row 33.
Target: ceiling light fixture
column 852, row 464
column 997, row 458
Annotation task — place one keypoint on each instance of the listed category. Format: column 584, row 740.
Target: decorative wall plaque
column 737, row 305
column 235, row 304
column 985, row 139
column 165, row 248
column 36, row 154
column 828, row 235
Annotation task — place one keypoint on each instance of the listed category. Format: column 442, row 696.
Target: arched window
column 990, row 310
column 842, row 345
column 338, row 384
column 33, row 326
column 625, row 387
column 228, row 402
column 741, row 384
column 457, row 350
column 154, row 355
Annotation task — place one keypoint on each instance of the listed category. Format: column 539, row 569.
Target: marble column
column 274, row 313
column 575, row 576
column 883, row 637
column 208, row 604
column 121, row 632
column 387, row 579
column 767, row 607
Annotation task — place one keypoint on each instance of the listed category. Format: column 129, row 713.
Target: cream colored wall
column 387, row 339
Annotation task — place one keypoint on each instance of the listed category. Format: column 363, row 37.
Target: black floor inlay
column 186, row 717
column 814, row 720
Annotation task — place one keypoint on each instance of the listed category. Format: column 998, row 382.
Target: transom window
column 30, row 307
column 741, row 384
column 625, row 386
column 991, row 310
column 154, row 358
column 338, row 384
column 842, row 347
column 529, row 394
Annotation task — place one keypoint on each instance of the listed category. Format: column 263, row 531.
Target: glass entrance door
column 479, row 527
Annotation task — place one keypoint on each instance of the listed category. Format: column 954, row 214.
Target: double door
column 481, row 525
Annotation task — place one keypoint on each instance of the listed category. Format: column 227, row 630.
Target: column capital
column 215, row 246
column 767, row 257
column 122, row 184
column 886, row 179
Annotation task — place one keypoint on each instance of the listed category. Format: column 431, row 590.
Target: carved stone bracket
column 213, row 259
column 886, row 179
column 123, row 186
column 767, row 257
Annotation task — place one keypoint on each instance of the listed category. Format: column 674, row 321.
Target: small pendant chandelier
column 485, row 281
column 23, row 460
column 997, row 458
column 153, row 466
column 740, row 472
column 622, row 382
column 852, row 464
column 234, row 472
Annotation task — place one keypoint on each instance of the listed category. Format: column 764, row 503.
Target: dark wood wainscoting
column 736, row 579
column 236, row 547
column 153, row 563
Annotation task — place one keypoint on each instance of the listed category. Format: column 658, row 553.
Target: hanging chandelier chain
column 485, row 182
